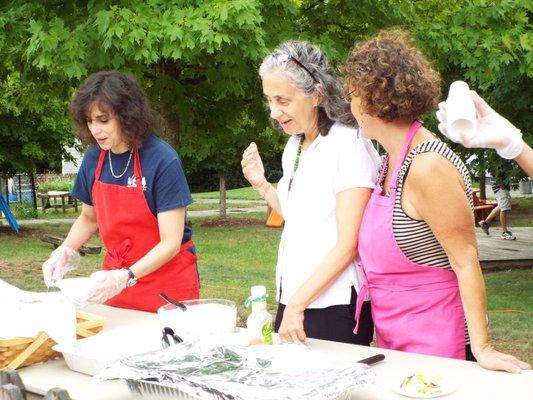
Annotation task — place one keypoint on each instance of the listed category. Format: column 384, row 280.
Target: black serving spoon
column 182, row 306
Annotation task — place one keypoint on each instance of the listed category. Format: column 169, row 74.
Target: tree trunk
column 222, row 189
column 482, row 192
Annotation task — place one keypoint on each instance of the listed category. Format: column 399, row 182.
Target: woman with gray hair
column 328, row 174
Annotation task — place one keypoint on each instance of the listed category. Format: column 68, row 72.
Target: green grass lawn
column 196, row 206
column 245, row 193
column 231, row 260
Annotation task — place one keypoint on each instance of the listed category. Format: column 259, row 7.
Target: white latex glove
column 61, row 260
column 252, row 166
column 492, row 131
column 106, row 284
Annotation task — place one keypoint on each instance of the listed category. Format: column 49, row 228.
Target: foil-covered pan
column 196, row 371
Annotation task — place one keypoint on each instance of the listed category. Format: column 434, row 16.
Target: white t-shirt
column 331, row 164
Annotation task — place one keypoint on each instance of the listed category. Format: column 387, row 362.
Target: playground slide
column 9, row 215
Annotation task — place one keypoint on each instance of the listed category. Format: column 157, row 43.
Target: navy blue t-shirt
column 166, row 185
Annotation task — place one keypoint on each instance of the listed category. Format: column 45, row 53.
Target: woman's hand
column 489, row 358
column 107, row 284
column 292, row 325
column 252, row 166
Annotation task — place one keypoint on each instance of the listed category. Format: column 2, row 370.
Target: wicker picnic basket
column 20, row 352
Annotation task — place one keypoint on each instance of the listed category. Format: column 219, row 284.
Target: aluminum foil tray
column 154, row 391
column 143, row 390
column 201, row 371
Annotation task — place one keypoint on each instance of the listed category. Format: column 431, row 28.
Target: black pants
column 335, row 323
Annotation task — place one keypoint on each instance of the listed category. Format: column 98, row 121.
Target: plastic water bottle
column 259, row 322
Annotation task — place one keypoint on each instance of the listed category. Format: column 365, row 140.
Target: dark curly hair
column 119, row 94
column 392, row 78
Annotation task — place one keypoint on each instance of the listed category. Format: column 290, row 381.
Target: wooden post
column 33, row 193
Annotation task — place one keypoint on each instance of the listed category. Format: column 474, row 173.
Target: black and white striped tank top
column 414, row 237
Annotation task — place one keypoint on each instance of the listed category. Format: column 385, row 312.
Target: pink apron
column 416, row 308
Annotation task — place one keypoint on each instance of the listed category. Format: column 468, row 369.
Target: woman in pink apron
column 417, row 241
column 134, row 194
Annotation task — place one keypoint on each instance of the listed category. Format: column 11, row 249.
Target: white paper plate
column 445, row 386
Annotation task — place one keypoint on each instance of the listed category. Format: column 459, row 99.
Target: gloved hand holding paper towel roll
column 467, row 119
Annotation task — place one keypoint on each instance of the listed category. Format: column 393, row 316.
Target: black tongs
column 169, row 333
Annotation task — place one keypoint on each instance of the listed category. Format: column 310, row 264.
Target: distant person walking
column 503, row 197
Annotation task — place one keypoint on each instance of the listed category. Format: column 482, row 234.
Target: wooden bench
column 482, row 208
column 57, row 240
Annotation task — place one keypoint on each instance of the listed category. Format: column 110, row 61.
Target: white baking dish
column 91, row 355
column 201, row 318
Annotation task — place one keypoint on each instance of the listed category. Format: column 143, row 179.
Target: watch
column 132, row 280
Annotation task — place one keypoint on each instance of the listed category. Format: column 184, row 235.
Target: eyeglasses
column 283, row 57
column 348, row 95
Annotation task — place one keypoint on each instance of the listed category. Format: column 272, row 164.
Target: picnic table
column 57, row 200
column 473, row 381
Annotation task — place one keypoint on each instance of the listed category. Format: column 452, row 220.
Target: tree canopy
column 198, row 61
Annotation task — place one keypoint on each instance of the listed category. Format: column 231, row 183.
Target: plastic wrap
column 201, row 371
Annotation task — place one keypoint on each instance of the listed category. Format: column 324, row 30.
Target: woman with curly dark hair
column 134, row 193
column 417, row 239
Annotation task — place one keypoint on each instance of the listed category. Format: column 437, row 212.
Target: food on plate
column 420, row 384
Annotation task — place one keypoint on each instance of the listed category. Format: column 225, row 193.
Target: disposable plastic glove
column 492, row 131
column 61, row 260
column 106, row 284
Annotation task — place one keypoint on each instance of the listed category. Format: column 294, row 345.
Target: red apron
column 415, row 308
column 129, row 230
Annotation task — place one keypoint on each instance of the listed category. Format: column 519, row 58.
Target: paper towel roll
column 460, row 112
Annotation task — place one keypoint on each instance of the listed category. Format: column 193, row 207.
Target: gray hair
column 333, row 106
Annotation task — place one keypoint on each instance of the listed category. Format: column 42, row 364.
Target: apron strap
column 99, row 165
column 361, row 296
column 137, row 171
column 416, row 124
